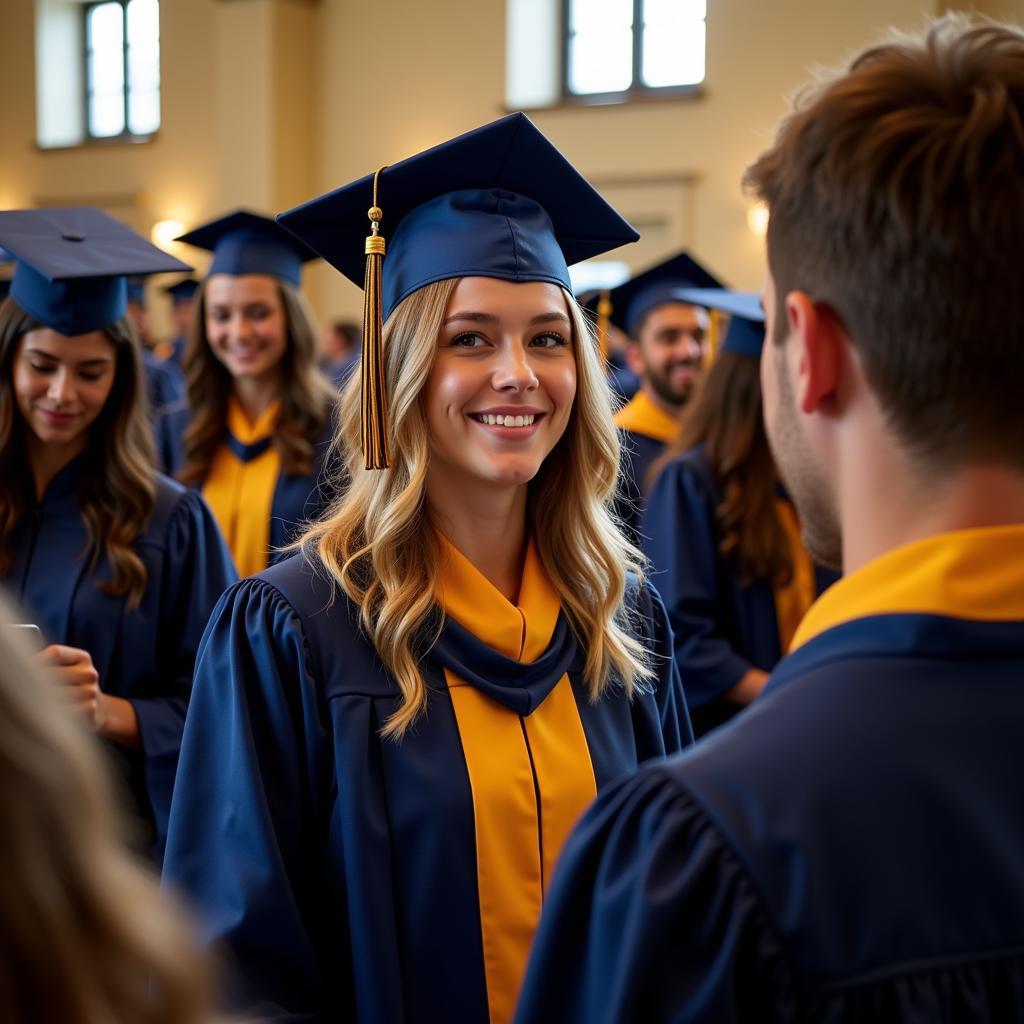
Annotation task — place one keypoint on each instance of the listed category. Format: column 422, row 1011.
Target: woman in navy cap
column 259, row 419
column 118, row 566
column 394, row 729
column 722, row 537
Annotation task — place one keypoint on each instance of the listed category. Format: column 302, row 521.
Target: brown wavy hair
column 306, row 396
column 117, row 491
column 725, row 417
column 87, row 938
column 378, row 545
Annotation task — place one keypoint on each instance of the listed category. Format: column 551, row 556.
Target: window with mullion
column 122, row 68
column 618, row 47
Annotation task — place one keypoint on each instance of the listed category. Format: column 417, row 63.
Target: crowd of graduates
column 655, row 654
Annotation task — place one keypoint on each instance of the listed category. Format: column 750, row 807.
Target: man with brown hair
column 852, row 849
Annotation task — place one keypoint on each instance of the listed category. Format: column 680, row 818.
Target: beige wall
column 269, row 102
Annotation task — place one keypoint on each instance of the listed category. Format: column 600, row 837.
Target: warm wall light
column 165, row 231
column 757, row 220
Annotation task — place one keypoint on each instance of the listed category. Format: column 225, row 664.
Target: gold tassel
column 374, row 397
column 604, row 316
column 714, row 337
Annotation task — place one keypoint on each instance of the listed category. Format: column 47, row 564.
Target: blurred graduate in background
column 183, row 306
column 260, row 416
column 668, row 339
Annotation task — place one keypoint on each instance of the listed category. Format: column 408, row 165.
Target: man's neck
column 919, row 504
column 670, row 408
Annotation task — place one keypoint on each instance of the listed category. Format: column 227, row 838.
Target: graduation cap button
column 72, row 236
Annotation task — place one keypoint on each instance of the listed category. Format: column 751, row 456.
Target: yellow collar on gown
column 965, row 574
column 641, row 416
column 247, row 431
column 522, row 630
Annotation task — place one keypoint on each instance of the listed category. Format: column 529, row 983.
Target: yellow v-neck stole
column 240, row 492
column 641, row 416
column 531, row 777
column 975, row 574
column 794, row 598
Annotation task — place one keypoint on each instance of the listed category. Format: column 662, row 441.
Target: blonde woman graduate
column 260, row 415
column 395, row 728
column 118, row 566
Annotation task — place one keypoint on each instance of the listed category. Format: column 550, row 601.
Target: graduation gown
column 850, row 849
column 144, row 655
column 644, row 431
column 258, row 506
column 357, row 878
column 722, row 626
column 165, row 383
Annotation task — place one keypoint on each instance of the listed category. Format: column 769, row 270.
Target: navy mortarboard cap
column 745, row 336
column 499, row 201
column 247, row 243
column 72, row 264
column 183, row 290
column 657, row 286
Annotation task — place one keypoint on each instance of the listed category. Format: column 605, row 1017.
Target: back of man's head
column 896, row 197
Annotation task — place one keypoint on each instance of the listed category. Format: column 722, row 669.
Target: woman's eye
column 549, row 340
column 259, row 312
column 468, row 340
column 90, row 378
column 41, row 368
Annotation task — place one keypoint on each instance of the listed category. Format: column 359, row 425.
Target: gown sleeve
column 682, row 543
column 196, row 570
column 651, row 917
column 248, row 829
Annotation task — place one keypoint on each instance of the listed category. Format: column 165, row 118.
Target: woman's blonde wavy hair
column 86, row 936
column 379, row 546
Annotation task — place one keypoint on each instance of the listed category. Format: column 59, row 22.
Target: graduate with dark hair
column 394, row 730
column 721, row 533
column 851, row 848
column 259, row 418
column 118, row 566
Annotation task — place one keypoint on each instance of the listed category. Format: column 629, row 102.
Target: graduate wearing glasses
column 395, row 729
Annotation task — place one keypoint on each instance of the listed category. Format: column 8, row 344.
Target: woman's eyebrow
column 488, row 318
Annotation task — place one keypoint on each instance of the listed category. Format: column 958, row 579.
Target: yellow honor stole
column 531, row 777
column 239, row 487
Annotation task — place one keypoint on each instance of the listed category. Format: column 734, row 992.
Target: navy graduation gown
column 722, row 626
column 298, row 498
column 165, row 383
column 340, row 868
column 851, row 849
column 144, row 655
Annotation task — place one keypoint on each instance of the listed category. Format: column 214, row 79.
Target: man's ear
column 633, row 358
column 819, row 339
